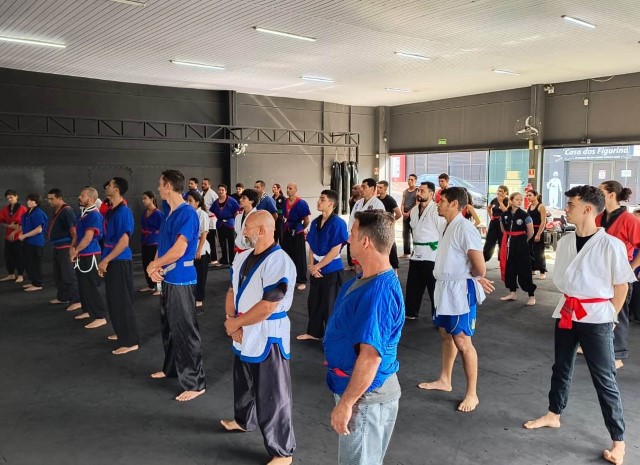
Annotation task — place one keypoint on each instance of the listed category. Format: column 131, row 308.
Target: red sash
column 503, row 249
column 237, row 249
column 573, row 305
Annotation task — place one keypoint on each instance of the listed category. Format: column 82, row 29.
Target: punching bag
column 353, row 174
column 346, row 188
column 336, row 181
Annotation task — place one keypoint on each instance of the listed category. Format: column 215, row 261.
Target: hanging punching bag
column 346, row 190
column 353, row 174
column 336, row 181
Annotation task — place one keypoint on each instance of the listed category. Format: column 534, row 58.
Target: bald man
column 256, row 307
column 296, row 219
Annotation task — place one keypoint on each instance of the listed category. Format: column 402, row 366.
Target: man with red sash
column 587, row 312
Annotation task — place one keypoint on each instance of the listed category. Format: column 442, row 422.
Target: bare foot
column 19, row 279
column 616, row 454
column 301, row 287
column 74, row 307
column 531, row 301
column 438, row 385
column 232, row 425
column 57, row 301
column 10, row 277
column 33, row 288
column 124, row 350
column 82, row 316
column 186, row 396
column 26, row 286
column 542, row 276
column 146, row 289
column 619, row 364
column 580, row 350
column 199, row 303
column 96, row 323
column 468, row 404
column 113, row 337
column 280, row 461
column 158, row 375
column 510, row 296
column 550, row 420
column 157, row 293
column 307, row 337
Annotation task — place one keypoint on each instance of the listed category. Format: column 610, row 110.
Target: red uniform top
column 7, row 218
column 625, row 227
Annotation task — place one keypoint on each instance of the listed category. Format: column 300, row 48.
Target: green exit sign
column 442, row 141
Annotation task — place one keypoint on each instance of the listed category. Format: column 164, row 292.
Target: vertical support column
column 233, row 161
column 538, row 101
column 382, row 131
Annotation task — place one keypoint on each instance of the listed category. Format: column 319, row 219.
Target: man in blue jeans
column 361, row 345
column 592, row 272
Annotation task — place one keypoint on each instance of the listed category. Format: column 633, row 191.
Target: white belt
column 320, row 257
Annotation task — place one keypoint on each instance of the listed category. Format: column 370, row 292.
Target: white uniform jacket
column 426, row 229
column 374, row 203
column 239, row 226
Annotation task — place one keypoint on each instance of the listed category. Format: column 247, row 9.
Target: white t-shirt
column 203, row 218
column 209, row 197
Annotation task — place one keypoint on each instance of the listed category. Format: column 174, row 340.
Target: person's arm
column 33, row 232
column 619, row 296
column 122, row 244
column 479, row 269
column 229, row 304
column 543, row 222
column 474, row 215
column 397, row 214
column 405, row 214
column 501, row 227
column 502, row 206
column 328, row 258
column 84, row 243
column 259, row 312
column 529, row 231
column 201, row 241
column 305, row 222
column 364, row 372
column 173, row 254
column 489, row 211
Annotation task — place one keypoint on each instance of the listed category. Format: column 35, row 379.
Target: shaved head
column 262, row 218
column 258, row 229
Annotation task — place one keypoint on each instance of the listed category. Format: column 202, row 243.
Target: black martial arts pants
column 119, row 289
column 211, row 239
column 518, row 269
column 296, row 248
column 227, row 237
column 181, row 337
column 33, row 263
column 634, row 305
column 148, row 253
column 536, row 250
column 89, row 287
column 393, row 257
column 322, row 297
column 349, row 260
column 419, row 278
column 262, row 398
column 202, row 269
column 406, row 235
column 493, row 238
column 64, row 276
column 596, row 341
column 621, row 333
column 14, row 257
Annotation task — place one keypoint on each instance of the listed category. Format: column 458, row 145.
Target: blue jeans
column 371, row 426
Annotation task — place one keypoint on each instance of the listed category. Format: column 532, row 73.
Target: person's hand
column 314, row 270
column 73, row 254
column 231, row 326
column 536, row 238
column 198, row 255
column 21, row 237
column 487, row 285
column 237, row 336
column 12, row 235
column 405, row 215
column 155, row 272
column 102, row 268
column 340, row 417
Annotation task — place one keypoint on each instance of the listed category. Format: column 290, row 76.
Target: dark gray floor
column 64, row 399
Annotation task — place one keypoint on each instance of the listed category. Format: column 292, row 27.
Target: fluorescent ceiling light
column 286, row 87
column 412, row 55
column 578, row 21
column 506, row 71
column 316, row 79
column 130, row 2
column 32, row 42
column 284, row 34
column 197, row 65
column 396, row 89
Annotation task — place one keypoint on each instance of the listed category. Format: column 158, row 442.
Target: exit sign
column 442, row 141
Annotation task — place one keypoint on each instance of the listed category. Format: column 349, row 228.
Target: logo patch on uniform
column 519, row 222
column 473, row 324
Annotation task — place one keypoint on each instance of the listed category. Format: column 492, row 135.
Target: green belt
column 433, row 245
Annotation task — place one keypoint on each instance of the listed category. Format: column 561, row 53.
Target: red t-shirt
column 626, row 228
column 7, row 218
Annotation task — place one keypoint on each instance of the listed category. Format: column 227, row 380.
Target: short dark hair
column 444, row 176
column 588, row 194
column 261, row 182
column 10, row 192
column 151, row 195
column 378, row 226
column 104, row 186
column 198, row 199
column 622, row 193
column 369, row 182
column 122, row 184
column 206, row 179
column 175, row 178
column 34, row 197
column 240, row 185
column 223, row 185
column 251, row 195
column 384, row 183
column 194, row 180
column 431, row 186
column 413, row 176
column 57, row 193
column 455, row 193
column 331, row 195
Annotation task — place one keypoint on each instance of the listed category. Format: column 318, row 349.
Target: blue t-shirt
column 117, row 221
column 90, row 221
column 371, row 313
column 225, row 213
column 30, row 221
column 183, row 221
column 322, row 240
column 268, row 204
column 150, row 227
column 294, row 214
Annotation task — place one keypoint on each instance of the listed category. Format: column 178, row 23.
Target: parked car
column 479, row 199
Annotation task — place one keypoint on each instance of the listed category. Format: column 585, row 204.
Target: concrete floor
column 66, row 400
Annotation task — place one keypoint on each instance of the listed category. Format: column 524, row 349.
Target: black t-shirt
column 581, row 241
column 389, row 203
column 495, row 206
column 274, row 295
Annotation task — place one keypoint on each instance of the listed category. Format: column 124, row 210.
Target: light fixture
column 316, row 79
column 578, row 21
column 284, row 34
column 506, row 71
column 412, row 55
column 131, row 2
column 397, row 89
column 197, row 65
column 31, row 42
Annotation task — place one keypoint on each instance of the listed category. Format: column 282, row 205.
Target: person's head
column 382, row 188
column 636, row 213
column 239, row 188
column 452, row 201
column 87, row 197
column 356, row 190
column 33, row 200
column 276, row 189
column 259, row 186
column 292, row 189
column 516, row 200
column 411, row 180
column 222, row 191
column 614, row 193
column 117, row 187
column 372, row 234
column 249, row 199
column 502, row 192
column 11, row 196
column 193, row 184
column 55, row 199
column 259, row 228
column 584, row 203
column 425, row 191
column 368, row 188
column 328, row 201
column 443, row 180
column 206, row 184
column 533, row 196
column 149, row 199
column 196, row 200
column 171, row 182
